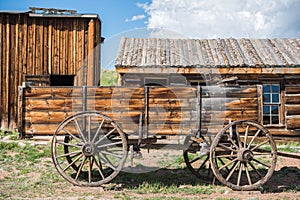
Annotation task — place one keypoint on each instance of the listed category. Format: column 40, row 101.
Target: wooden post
column 20, row 112
column 91, row 54
column 260, row 104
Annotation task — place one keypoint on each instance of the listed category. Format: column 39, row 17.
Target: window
column 62, row 80
column 271, row 104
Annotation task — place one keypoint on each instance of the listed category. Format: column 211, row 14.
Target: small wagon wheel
column 196, row 157
column 93, row 151
column 243, row 155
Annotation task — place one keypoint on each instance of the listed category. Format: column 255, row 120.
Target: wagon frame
column 242, row 154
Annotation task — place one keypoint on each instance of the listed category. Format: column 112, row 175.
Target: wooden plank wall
column 42, row 45
column 165, row 111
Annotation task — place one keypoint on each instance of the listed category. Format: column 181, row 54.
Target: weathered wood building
column 267, row 69
column 46, row 47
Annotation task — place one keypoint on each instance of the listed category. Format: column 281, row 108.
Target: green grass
column 12, row 135
column 109, row 78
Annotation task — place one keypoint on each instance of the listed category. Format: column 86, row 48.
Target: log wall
column 165, row 111
column 292, row 106
column 45, row 46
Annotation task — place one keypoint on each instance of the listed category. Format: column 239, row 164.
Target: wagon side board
column 164, row 110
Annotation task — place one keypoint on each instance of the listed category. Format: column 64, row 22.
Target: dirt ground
column 287, row 175
column 284, row 184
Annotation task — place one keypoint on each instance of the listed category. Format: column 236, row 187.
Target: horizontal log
column 46, row 117
column 50, row 104
column 284, row 132
column 229, row 92
column 294, row 89
column 292, row 109
column 116, row 104
column 292, row 98
column 293, row 122
column 51, row 92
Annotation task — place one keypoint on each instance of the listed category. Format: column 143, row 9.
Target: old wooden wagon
column 95, row 128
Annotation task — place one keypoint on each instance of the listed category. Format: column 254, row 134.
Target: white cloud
column 135, row 18
column 229, row 18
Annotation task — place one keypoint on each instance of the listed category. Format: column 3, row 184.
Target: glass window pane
column 275, row 88
column 275, row 120
column 275, row 98
column 267, row 98
column 266, row 119
column 274, row 109
column 266, row 110
column 267, row 88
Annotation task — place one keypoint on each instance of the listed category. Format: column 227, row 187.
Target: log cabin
column 268, row 69
column 46, row 47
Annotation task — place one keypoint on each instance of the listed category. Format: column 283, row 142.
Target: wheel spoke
column 89, row 129
column 90, row 165
column 246, row 135
column 105, row 136
column 248, row 175
column 232, row 142
column 261, row 163
column 253, row 138
column 109, row 144
column 80, row 168
column 260, row 144
column 73, row 136
column 196, row 159
column 98, row 131
column 232, row 170
column 261, row 153
column 254, row 168
column 238, row 136
column 79, row 129
column 240, row 174
column 68, row 144
column 227, row 164
column 111, row 154
column 70, row 164
column 223, row 163
column 70, row 153
column 226, row 147
column 99, row 167
column 106, row 161
column 204, row 162
column 227, row 156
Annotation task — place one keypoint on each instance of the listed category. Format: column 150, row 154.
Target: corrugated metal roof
column 155, row 52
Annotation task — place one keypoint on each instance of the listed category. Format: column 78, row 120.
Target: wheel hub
column 88, row 149
column 245, row 155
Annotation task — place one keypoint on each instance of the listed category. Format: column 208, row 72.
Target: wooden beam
column 91, row 54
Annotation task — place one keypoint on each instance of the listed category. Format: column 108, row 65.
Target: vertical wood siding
column 44, row 46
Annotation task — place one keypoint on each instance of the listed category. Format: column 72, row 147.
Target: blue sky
column 115, row 15
column 192, row 18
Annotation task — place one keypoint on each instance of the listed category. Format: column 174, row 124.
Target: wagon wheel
column 196, row 157
column 243, row 155
column 93, row 151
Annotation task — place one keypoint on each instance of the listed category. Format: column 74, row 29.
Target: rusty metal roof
column 154, row 52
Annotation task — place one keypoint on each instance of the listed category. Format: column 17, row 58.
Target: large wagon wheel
column 196, row 157
column 93, row 151
column 243, row 155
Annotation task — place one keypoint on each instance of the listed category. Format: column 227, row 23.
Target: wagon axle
column 245, row 155
column 89, row 149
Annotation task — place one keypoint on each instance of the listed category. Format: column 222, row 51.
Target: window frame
column 281, row 122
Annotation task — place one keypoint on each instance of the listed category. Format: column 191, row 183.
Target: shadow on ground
column 285, row 179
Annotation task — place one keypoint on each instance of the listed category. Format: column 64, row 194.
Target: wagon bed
column 101, row 126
